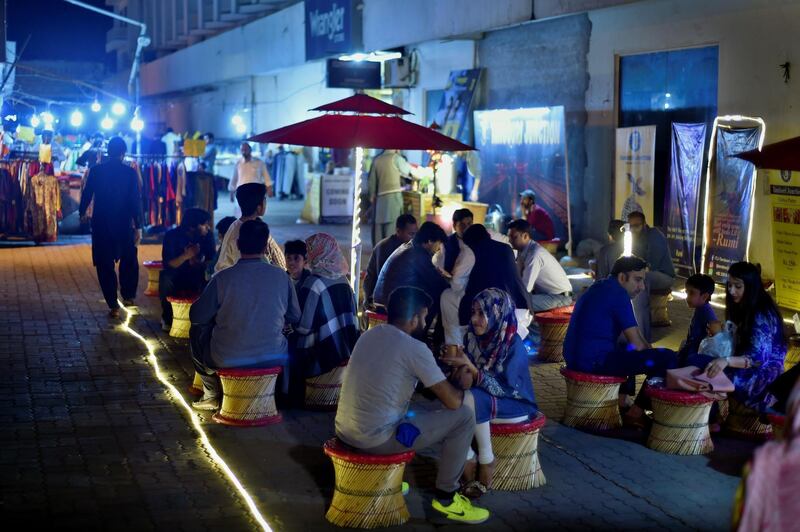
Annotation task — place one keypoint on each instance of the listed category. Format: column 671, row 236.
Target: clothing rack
column 30, row 198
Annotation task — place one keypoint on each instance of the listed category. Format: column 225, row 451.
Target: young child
column 699, row 289
column 222, row 228
column 296, row 253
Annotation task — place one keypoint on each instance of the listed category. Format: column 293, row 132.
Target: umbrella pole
column 355, row 237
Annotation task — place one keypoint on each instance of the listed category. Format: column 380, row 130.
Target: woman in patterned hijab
column 495, row 367
column 324, row 256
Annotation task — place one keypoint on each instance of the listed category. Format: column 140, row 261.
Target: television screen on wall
column 353, row 74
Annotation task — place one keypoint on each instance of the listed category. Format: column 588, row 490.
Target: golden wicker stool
column 515, row 447
column 375, row 318
column 196, row 388
column 793, row 353
column 368, row 491
column 153, row 268
column 248, row 397
column 659, row 313
column 180, row 316
column 680, row 422
column 592, row 400
column 322, row 391
column 553, row 327
column 745, row 422
column 550, row 245
column 778, row 424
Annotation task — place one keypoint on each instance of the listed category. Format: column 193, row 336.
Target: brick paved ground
column 94, row 442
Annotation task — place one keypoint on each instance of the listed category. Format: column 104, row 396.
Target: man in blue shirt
column 601, row 316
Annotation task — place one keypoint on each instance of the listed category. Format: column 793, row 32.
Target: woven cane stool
column 553, row 327
column 322, row 391
column 550, row 245
column 180, row 316
column 659, row 313
column 592, row 400
column 515, row 447
column 375, row 318
column 680, row 422
column 153, row 268
column 778, row 424
column 793, row 353
column 368, row 491
column 196, row 388
column 745, row 422
column 248, row 397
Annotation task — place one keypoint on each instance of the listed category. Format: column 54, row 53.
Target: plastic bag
column 721, row 344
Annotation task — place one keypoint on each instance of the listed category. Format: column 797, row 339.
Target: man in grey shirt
column 384, row 368
column 238, row 321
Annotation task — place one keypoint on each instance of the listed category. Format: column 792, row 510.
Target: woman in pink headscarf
column 328, row 327
column 772, row 485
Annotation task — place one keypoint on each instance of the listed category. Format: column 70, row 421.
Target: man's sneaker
column 462, row 511
column 129, row 302
column 212, row 403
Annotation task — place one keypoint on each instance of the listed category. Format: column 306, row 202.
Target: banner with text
column 731, row 183
column 453, row 116
column 784, row 189
column 686, row 167
column 634, row 171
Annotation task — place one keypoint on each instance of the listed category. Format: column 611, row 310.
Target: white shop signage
column 337, row 195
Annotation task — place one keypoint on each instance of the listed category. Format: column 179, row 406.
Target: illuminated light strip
column 205, row 442
column 706, row 227
column 682, row 295
column 355, row 235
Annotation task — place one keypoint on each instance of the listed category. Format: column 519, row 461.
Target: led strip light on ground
column 205, row 442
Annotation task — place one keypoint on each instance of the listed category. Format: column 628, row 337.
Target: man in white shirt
column 171, row 139
column 252, row 199
column 249, row 169
column 455, row 260
column 545, row 280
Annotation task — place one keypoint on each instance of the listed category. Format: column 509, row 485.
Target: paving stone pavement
column 96, row 443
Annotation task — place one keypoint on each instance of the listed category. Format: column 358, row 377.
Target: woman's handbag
column 693, row 379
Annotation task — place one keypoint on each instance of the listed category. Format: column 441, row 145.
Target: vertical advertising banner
column 686, row 167
column 634, row 171
column 730, row 185
column 521, row 149
column 784, row 188
column 456, row 107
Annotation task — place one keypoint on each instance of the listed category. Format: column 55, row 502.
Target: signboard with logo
column 634, row 171
column 730, row 188
column 784, row 188
column 333, row 27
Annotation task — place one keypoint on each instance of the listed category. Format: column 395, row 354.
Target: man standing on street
column 116, row 225
column 386, row 191
column 249, row 169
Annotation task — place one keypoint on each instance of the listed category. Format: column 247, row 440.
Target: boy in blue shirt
column 699, row 289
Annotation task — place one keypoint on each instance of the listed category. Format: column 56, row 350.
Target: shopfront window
column 665, row 87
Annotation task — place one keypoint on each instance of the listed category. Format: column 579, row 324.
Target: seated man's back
column 250, row 304
column 378, row 384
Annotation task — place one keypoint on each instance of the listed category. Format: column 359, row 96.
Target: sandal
column 473, row 490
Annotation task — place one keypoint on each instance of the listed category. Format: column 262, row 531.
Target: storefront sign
column 785, row 192
column 332, row 27
column 456, row 107
column 521, row 149
column 730, row 185
column 634, row 171
column 337, row 196
column 686, row 167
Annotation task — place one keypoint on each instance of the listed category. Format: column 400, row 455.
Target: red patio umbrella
column 783, row 155
column 368, row 127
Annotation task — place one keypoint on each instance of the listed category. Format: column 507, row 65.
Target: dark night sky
column 59, row 30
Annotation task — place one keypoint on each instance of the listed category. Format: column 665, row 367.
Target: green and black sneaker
column 462, row 511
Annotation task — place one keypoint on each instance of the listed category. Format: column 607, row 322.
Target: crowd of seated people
column 295, row 308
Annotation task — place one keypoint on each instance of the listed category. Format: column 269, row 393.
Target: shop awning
column 361, row 103
column 783, row 155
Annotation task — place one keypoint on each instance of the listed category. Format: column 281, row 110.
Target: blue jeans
column 623, row 363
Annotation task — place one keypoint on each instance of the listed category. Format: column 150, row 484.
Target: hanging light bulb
column 47, row 118
column 106, row 122
column 137, row 124
column 96, row 107
column 118, row 108
column 35, row 121
column 237, row 120
column 76, row 118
